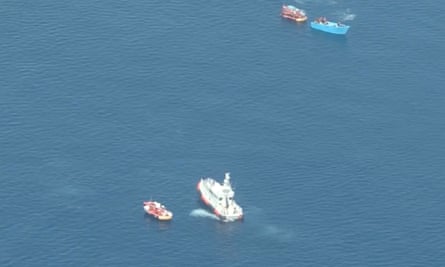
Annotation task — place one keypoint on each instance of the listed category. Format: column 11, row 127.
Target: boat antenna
column 227, row 178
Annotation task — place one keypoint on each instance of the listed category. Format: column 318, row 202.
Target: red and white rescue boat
column 293, row 13
column 157, row 210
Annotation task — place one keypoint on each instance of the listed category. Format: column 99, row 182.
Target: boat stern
column 166, row 217
column 231, row 218
column 231, row 214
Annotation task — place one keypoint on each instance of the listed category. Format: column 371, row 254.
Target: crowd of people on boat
column 322, row 20
column 325, row 21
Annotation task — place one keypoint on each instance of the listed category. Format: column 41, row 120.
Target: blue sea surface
column 335, row 144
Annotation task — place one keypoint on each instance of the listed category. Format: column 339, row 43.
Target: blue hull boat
column 327, row 26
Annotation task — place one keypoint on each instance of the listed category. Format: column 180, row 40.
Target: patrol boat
column 220, row 198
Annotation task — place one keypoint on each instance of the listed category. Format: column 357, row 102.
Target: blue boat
column 327, row 26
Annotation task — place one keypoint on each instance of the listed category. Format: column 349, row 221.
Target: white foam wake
column 275, row 233
column 203, row 214
column 347, row 15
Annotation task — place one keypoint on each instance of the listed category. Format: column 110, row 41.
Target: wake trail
column 202, row 213
column 346, row 15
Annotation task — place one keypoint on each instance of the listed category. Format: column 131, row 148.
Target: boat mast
column 227, row 179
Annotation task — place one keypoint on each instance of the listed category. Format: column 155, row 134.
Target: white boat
column 220, row 198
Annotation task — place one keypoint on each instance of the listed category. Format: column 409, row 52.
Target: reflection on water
column 155, row 224
column 227, row 228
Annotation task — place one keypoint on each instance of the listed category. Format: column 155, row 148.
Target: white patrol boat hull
column 220, row 198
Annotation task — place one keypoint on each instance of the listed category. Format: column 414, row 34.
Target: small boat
column 293, row 13
column 323, row 24
column 157, row 210
column 220, row 198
